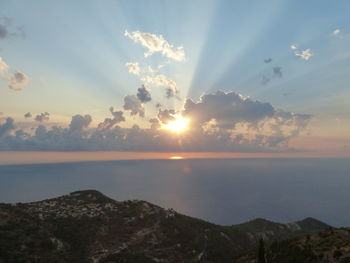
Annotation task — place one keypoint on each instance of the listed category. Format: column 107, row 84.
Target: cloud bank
column 222, row 121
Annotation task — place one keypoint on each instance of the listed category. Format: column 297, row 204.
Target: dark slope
column 87, row 226
column 328, row 246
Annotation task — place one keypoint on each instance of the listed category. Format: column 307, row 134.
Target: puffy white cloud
column 134, row 105
column 303, row 54
column 3, row 67
column 161, row 80
column 44, row 116
column 133, row 68
column 156, row 43
column 143, row 94
column 336, row 32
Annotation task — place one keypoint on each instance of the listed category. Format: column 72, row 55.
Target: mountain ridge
column 87, row 226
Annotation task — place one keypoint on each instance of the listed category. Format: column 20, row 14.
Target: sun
column 178, row 125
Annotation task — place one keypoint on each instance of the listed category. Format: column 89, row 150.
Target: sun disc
column 178, row 125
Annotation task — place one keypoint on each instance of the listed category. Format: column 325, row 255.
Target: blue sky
column 74, row 54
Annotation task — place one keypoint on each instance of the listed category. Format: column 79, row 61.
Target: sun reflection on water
column 176, row 157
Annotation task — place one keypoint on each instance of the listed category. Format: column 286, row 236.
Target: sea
column 222, row 191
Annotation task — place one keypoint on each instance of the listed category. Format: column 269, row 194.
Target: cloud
column 109, row 123
column 3, row 67
column 7, row 30
column 79, row 122
column 268, row 60
column 277, row 71
column 17, row 80
column 156, row 43
column 27, row 115
column 303, row 54
column 336, row 32
column 7, row 127
column 133, row 68
column 3, row 31
column 155, row 124
column 161, row 80
column 233, row 118
column 222, row 121
column 134, row 105
column 45, row 116
column 166, row 115
column 143, row 94
column 227, row 109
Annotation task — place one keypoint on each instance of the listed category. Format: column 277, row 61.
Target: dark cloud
column 3, row 32
column 268, row 60
column 7, row 30
column 79, row 122
column 134, row 105
column 7, row 127
column 277, row 72
column 166, row 115
column 170, row 93
column 143, row 94
column 155, row 124
column 109, row 123
column 45, row 116
column 227, row 109
column 27, row 115
column 17, row 80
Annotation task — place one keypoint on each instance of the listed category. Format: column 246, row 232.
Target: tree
column 261, row 252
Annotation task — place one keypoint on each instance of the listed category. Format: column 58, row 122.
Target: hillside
column 328, row 246
column 86, row 226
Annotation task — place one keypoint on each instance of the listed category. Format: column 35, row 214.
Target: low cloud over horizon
column 220, row 121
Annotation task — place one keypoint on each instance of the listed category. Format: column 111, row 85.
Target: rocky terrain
column 86, row 226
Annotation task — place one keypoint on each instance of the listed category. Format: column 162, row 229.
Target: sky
column 189, row 76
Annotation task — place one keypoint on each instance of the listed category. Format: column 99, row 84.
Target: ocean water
column 223, row 191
